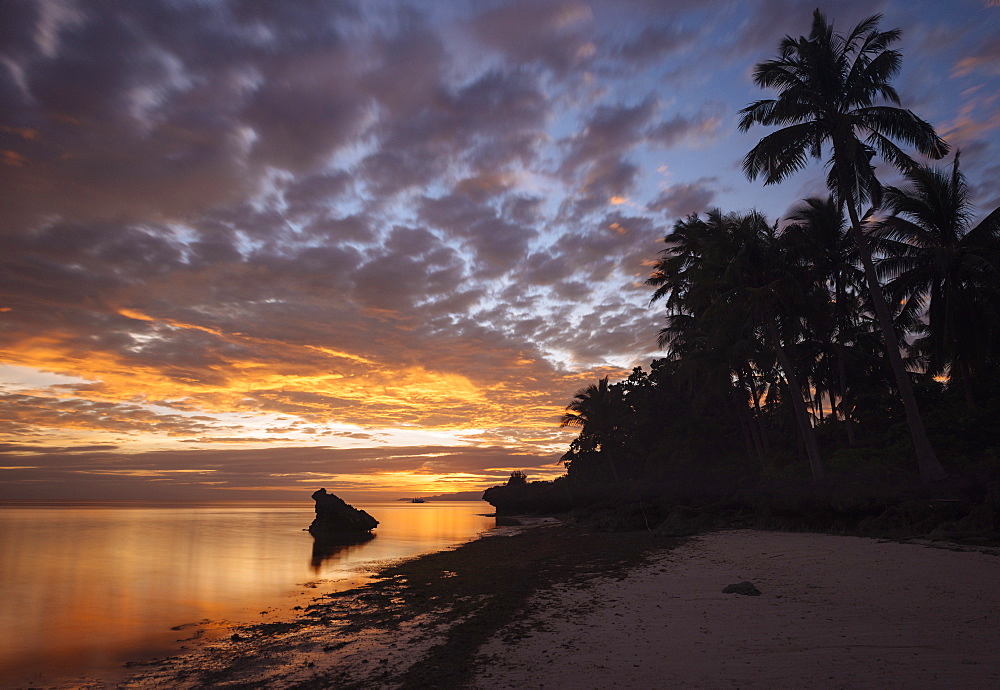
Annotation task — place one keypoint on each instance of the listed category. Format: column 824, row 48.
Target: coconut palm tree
column 714, row 359
column 730, row 285
column 832, row 91
column 601, row 412
column 761, row 282
column 938, row 262
column 816, row 233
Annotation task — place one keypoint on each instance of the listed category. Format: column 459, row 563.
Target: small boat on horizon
column 417, row 500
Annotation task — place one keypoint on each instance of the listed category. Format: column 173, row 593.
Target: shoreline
column 833, row 612
column 560, row 606
column 86, row 592
column 407, row 627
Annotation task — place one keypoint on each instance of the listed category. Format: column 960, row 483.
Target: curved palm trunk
column 930, row 466
column 798, row 405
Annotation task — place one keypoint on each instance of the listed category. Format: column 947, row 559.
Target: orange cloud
column 12, row 158
column 143, row 401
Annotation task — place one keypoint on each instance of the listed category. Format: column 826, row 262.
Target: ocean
column 87, row 586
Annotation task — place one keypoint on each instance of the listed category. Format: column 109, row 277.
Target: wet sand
column 557, row 607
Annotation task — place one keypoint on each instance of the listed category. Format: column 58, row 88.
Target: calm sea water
column 87, row 587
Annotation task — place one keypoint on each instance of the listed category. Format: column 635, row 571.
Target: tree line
column 861, row 329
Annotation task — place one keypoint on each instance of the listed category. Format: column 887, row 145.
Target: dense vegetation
column 853, row 343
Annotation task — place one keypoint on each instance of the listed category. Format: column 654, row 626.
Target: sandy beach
column 834, row 612
column 557, row 607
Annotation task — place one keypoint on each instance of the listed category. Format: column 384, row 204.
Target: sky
column 253, row 248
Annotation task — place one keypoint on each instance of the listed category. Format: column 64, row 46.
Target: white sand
column 835, row 612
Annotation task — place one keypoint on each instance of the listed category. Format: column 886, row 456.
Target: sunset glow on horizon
column 251, row 249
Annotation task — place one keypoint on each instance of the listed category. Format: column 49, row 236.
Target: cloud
column 15, row 448
column 683, row 199
column 169, row 109
column 25, row 413
column 363, row 225
column 985, row 58
column 598, row 156
column 768, row 21
column 488, row 124
column 977, row 117
column 274, row 472
column 553, row 34
column 695, row 130
column 654, row 43
column 609, row 131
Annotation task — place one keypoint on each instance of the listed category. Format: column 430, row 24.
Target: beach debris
column 745, row 588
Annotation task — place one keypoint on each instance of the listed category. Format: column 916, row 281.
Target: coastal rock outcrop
column 337, row 521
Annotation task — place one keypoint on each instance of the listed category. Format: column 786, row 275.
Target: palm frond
column 781, row 153
column 987, row 232
column 865, row 26
column 902, row 124
column 870, row 79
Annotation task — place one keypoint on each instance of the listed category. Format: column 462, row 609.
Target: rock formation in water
column 335, row 520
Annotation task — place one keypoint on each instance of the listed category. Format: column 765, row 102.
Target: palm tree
column 713, row 358
column 817, row 236
column 832, row 90
column 936, row 260
column 709, row 353
column 729, row 285
column 601, row 412
column 762, row 283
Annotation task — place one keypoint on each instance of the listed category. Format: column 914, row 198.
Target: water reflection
column 86, row 588
column 326, row 548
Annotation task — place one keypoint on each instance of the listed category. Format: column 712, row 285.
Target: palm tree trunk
column 970, row 394
column 836, row 421
column 842, row 375
column 752, row 424
column 841, row 356
column 611, row 464
column 759, row 417
column 930, row 467
column 741, row 413
column 798, row 405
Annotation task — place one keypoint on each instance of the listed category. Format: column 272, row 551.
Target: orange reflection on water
column 88, row 588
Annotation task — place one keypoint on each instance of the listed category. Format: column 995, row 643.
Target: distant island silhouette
column 455, row 496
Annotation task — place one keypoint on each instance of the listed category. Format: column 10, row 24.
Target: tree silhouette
column 831, row 90
column 517, row 478
column 731, row 286
column 817, row 237
column 601, row 412
column 938, row 262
